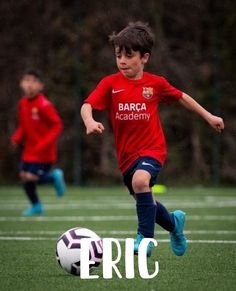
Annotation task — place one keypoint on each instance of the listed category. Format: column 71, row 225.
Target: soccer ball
column 68, row 249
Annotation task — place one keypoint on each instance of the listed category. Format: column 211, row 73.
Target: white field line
column 25, row 238
column 121, row 198
column 114, row 232
column 109, row 218
column 123, row 205
column 196, row 241
column 9, row 238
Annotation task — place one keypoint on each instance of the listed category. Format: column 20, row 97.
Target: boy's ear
column 146, row 58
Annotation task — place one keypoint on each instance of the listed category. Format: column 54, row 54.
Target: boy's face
column 131, row 65
column 31, row 85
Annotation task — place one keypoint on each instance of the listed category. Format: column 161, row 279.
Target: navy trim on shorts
column 35, row 168
column 151, row 165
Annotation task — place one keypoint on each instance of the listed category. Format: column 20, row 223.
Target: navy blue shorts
column 151, row 165
column 35, row 168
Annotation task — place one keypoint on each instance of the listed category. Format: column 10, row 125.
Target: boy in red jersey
column 38, row 130
column 132, row 97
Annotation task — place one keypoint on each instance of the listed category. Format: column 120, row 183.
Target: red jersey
column 133, row 112
column 39, row 128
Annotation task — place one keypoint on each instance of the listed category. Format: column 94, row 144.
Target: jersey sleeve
column 54, row 122
column 100, row 97
column 169, row 94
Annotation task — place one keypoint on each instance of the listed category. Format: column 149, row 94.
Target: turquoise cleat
column 36, row 209
column 59, row 182
column 137, row 243
column 177, row 238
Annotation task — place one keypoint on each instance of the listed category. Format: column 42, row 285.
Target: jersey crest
column 147, row 92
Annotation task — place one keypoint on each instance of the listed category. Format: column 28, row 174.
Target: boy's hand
column 216, row 122
column 93, row 126
column 14, row 146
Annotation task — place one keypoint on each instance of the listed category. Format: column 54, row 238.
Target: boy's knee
column 140, row 182
column 22, row 176
column 28, row 177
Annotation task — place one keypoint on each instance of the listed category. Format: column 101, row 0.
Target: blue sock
column 46, row 178
column 146, row 212
column 164, row 218
column 30, row 190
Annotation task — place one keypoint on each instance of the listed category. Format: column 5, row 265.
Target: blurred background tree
column 68, row 41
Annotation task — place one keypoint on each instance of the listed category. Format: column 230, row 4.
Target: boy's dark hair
column 136, row 36
column 33, row 72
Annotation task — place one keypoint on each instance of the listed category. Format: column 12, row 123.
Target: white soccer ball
column 68, row 249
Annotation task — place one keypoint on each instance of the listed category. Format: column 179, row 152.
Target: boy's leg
column 152, row 168
column 31, row 192
column 145, row 208
column 177, row 238
column 29, row 180
column 164, row 218
column 56, row 177
column 145, row 204
column 59, row 182
column 137, row 179
column 29, row 184
column 174, row 223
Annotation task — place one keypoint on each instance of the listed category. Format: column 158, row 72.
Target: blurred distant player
column 39, row 127
column 132, row 98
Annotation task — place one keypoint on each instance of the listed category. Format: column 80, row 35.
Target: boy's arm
column 91, row 125
column 215, row 122
column 18, row 135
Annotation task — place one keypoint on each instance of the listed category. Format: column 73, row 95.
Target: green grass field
column 27, row 245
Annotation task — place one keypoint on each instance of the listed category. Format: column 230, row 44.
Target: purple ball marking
column 75, row 246
column 65, row 240
column 73, row 271
column 75, row 236
column 77, row 264
column 95, row 250
column 100, row 244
